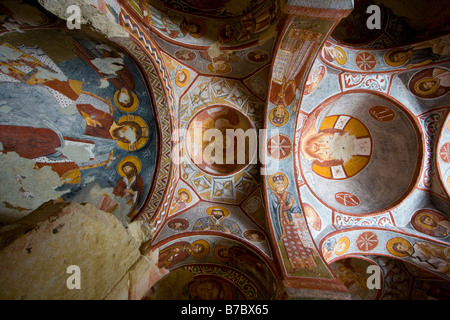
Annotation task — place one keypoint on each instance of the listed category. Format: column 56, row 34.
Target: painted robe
column 222, row 225
column 289, row 227
column 170, row 256
column 136, row 184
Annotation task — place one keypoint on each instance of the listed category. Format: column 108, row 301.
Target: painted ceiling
column 350, row 168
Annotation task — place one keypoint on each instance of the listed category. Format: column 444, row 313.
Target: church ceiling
column 350, row 167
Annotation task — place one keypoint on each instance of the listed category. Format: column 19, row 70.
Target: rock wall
column 37, row 252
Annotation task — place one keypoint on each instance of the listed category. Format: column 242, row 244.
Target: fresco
column 353, row 272
column 200, row 23
column 414, row 56
column 296, row 249
column 219, row 60
column 220, row 157
column 340, row 147
column 354, row 169
column 421, row 253
column 195, row 259
column 73, row 119
column 215, row 218
column 430, row 83
column 431, row 223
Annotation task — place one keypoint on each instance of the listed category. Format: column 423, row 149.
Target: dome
column 214, row 137
column 353, row 147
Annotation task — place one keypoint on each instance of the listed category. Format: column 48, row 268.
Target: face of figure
column 229, row 32
column 279, row 112
column 193, row 28
column 177, row 225
column 184, row 197
column 127, row 134
column 428, row 221
column 220, row 65
column 309, row 214
column 429, row 84
column 217, row 213
column 181, row 76
column 339, row 246
column 197, row 248
column 337, row 54
column 315, row 82
column 255, row 237
column 317, row 146
column 402, row 248
column 129, row 170
column 223, row 253
column 125, row 97
column 280, row 186
column 400, row 56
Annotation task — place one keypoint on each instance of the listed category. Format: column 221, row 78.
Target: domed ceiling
column 277, row 151
column 349, row 141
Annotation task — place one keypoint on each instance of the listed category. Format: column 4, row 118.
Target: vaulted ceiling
column 347, row 160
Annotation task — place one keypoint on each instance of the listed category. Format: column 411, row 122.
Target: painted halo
column 132, row 108
column 427, row 214
column 285, row 119
column 188, row 193
column 226, row 212
column 139, row 144
column 187, row 77
column 131, row 159
column 343, row 60
column 392, row 63
column 432, row 90
column 202, row 254
column 217, row 253
column 271, row 184
column 344, row 240
column 390, row 246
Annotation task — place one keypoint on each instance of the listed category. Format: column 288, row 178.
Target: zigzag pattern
column 155, row 72
column 132, row 26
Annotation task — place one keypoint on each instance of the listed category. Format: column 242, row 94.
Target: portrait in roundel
column 431, row 222
column 430, row 83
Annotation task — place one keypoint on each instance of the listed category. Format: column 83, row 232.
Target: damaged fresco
column 76, row 124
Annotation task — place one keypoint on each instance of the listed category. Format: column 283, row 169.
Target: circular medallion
column 347, row 199
column 216, row 140
column 126, row 100
column 178, row 224
column 382, row 113
column 365, row 61
column 314, row 80
column 182, row 78
column 132, row 133
column 279, row 147
column 444, row 153
column 341, row 246
column 399, row 247
column 258, row 56
column 185, row 55
column 279, row 116
column 367, row 241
